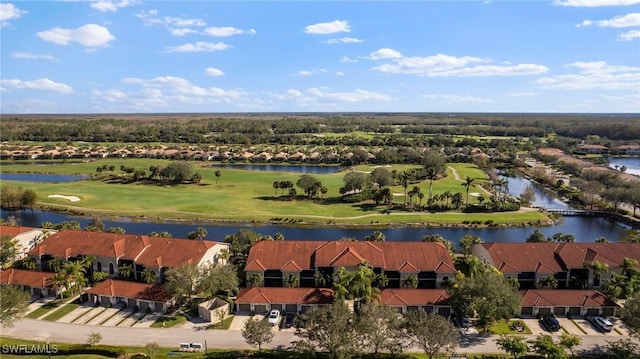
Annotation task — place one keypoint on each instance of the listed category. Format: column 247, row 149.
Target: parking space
column 587, row 327
column 240, row 319
column 79, row 312
column 535, row 326
column 102, row 316
column 132, row 319
column 147, row 320
column 121, row 315
column 621, row 327
column 569, row 326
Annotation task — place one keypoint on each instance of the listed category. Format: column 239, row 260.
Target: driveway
column 570, row 326
column 132, row 319
column 120, row 316
column 147, row 320
column 240, row 319
column 102, row 316
column 77, row 313
column 587, row 327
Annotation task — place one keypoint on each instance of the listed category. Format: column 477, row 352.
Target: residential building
column 36, row 283
column 118, row 293
column 273, row 261
column 571, row 264
column 26, row 237
column 576, row 303
column 113, row 250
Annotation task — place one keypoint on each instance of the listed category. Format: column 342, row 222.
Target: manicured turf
column 61, row 312
column 242, row 195
column 504, row 327
column 168, row 321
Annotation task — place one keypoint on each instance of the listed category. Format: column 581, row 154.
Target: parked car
column 274, row 317
column 551, row 323
column 288, row 320
column 464, row 321
column 601, row 323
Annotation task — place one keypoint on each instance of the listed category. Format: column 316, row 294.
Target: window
column 99, row 266
column 111, row 269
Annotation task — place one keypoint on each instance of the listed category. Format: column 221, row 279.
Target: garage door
column 526, row 311
column 244, row 308
column 574, row 311
column 544, row 311
column 37, row 291
column 144, row 306
column 560, row 310
column 105, row 301
column 159, row 307
column 131, row 302
column 291, row 308
column 277, row 306
column 260, row 308
column 608, row 312
column 593, row 311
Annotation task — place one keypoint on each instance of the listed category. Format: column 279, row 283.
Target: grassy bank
column 247, row 196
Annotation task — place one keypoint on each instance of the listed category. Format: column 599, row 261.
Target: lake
column 37, row 177
column 281, row 168
column 632, row 164
column 517, row 185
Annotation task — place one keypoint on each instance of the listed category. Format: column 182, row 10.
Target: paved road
column 223, row 339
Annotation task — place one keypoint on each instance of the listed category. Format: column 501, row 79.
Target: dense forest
column 295, row 129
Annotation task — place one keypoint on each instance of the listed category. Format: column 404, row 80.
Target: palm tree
column 410, row 281
column 319, row 279
column 468, row 183
column 420, row 197
column 549, row 282
column 148, row 276
column 405, row 179
column 291, row 280
column 125, row 271
column 597, row 268
column 276, row 186
column 432, row 174
column 74, row 272
column 55, row 264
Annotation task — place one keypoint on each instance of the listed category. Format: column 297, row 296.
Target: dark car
column 551, row 323
column 288, row 320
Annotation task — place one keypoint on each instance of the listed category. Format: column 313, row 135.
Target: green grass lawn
column 45, row 308
column 168, row 321
column 61, row 312
column 242, row 195
column 504, row 327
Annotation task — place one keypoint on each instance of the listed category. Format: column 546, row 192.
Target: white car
column 603, row 324
column 274, row 317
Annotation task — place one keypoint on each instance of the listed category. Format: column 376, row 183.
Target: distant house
column 36, row 283
column 407, row 300
column 628, row 150
column 113, row 250
column 597, row 149
column 430, row 263
column 568, row 263
column 574, row 303
column 115, row 293
column 27, row 237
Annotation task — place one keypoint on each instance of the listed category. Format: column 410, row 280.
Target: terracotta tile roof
column 152, row 252
column 26, row 277
column 134, row 290
column 557, row 257
column 11, row 231
column 393, row 256
column 69, row 243
column 419, row 297
column 565, row 298
column 269, row 295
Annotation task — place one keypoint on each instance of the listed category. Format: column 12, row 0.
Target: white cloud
column 43, row 84
column 309, row 72
column 346, row 59
column 30, row 56
column 182, row 31
column 325, row 28
column 198, row 47
column 226, row 31
column 213, row 72
column 177, row 26
column 522, row 94
column 594, row 75
column 630, row 35
column 90, row 35
column 457, row 98
column 9, row 12
column 111, row 6
column 446, row 65
column 340, row 73
column 618, row 21
column 595, row 3
column 385, row 54
column 344, row 40
column 183, row 89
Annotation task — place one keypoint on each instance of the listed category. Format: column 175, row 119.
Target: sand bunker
column 70, row 198
column 474, row 194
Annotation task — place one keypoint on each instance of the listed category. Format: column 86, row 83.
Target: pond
column 632, row 164
column 544, row 199
column 281, row 168
column 37, row 177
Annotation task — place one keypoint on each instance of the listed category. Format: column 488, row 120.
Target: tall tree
column 184, row 282
column 466, row 243
column 405, row 180
column 468, row 183
column 9, row 250
column 513, row 344
column 630, row 313
column 569, row 342
column 432, row 333
column 432, row 174
column 149, row 276
column 217, row 278
column 356, row 285
column 544, row 345
column 257, row 332
column 381, row 329
column 13, row 305
column 327, row 329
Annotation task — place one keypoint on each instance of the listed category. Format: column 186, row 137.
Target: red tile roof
column 392, row 256
column 152, row 252
column 418, row 297
column 26, row 277
column 134, row 290
column 557, row 257
column 272, row 295
column 565, row 298
column 13, row 231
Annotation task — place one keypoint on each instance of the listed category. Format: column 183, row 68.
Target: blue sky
column 129, row 56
